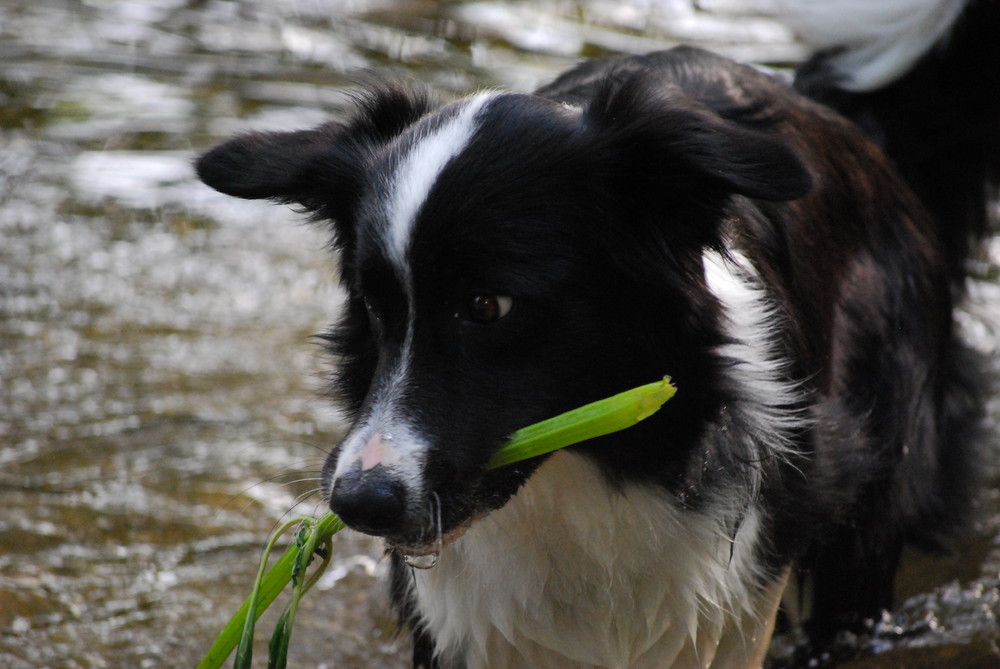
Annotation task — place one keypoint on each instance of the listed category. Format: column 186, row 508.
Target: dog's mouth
column 449, row 513
column 424, row 555
column 445, row 512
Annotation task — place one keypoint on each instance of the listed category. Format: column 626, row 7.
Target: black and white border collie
column 508, row 257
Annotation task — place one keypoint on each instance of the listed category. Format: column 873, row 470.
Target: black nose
column 372, row 501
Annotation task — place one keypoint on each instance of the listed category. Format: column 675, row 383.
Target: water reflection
column 158, row 404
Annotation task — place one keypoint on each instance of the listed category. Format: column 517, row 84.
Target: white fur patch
column 420, row 168
column 573, row 573
column 882, row 39
column 751, row 320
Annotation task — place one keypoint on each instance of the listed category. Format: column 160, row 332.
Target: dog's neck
column 575, row 573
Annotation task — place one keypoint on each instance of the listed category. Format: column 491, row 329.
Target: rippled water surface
column 159, row 406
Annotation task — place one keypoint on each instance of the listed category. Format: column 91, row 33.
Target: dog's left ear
column 321, row 169
column 671, row 137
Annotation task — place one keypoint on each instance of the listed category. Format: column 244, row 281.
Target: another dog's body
column 509, row 257
column 919, row 77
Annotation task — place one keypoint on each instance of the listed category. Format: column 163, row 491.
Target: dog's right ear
column 322, row 169
column 282, row 166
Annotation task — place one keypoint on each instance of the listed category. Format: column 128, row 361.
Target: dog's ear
column 671, row 137
column 321, row 169
column 282, row 166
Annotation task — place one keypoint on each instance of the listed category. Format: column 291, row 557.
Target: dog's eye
column 486, row 308
column 374, row 317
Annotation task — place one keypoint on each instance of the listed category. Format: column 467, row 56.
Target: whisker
column 303, row 480
column 293, row 468
column 301, row 442
column 305, row 496
column 299, row 500
column 439, row 542
column 306, row 470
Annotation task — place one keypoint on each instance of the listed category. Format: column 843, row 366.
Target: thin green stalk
column 307, row 541
column 265, row 592
column 244, row 651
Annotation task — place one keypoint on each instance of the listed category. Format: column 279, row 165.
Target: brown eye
column 484, row 308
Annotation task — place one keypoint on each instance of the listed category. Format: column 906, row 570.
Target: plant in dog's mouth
column 313, row 536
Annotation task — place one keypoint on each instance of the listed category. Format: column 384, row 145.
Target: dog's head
column 506, row 258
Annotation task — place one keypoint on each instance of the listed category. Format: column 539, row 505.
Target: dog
column 918, row 77
column 507, row 257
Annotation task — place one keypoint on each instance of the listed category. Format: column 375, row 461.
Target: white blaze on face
column 385, row 436
column 419, row 170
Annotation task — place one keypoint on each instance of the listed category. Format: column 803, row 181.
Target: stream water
column 159, row 387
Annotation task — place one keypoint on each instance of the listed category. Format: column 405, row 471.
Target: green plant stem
column 270, row 586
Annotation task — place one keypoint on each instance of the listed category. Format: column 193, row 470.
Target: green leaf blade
column 592, row 420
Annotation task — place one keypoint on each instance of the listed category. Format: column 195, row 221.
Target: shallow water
column 159, row 390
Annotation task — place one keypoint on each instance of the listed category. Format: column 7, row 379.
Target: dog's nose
column 370, row 501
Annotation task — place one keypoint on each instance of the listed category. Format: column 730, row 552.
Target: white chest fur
column 571, row 573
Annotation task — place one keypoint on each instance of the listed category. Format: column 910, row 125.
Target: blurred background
column 160, row 404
